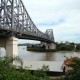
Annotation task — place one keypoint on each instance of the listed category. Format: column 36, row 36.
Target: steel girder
column 15, row 18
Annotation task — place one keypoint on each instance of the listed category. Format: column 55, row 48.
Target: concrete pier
column 51, row 46
column 11, row 46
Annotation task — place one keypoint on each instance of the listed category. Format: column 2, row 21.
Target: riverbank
column 54, row 68
column 11, row 72
column 38, row 49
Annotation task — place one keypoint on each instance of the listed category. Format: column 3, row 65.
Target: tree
column 78, row 47
column 75, row 73
column 9, row 71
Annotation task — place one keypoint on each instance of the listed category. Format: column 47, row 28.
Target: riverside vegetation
column 67, row 46
column 10, row 72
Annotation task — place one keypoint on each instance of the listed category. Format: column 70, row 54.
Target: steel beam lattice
column 15, row 18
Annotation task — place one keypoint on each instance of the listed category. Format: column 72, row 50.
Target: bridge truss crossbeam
column 15, row 18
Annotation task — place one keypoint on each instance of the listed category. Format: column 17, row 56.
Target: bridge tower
column 50, row 45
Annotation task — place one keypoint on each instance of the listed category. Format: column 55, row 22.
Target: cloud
column 63, row 16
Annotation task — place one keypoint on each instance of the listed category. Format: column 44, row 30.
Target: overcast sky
column 63, row 16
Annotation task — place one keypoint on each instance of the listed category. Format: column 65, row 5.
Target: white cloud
column 63, row 16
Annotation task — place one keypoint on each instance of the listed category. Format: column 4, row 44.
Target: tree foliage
column 78, row 47
column 75, row 73
column 65, row 46
column 9, row 72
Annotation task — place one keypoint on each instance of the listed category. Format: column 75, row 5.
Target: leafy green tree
column 65, row 46
column 10, row 72
column 78, row 47
column 41, row 73
column 75, row 73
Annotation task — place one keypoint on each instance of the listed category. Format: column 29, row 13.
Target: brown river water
column 39, row 58
column 42, row 56
column 45, row 56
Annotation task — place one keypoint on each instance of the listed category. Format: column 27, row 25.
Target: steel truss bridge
column 15, row 21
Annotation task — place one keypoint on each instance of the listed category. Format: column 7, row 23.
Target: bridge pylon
column 51, row 45
column 11, row 46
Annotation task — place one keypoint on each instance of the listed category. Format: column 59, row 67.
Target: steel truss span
column 14, row 19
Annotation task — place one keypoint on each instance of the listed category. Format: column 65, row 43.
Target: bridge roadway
column 7, row 33
column 15, row 23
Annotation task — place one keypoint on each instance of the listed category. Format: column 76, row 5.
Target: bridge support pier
column 49, row 46
column 12, row 47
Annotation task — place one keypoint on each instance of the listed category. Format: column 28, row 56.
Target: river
column 37, row 58
column 42, row 56
column 45, row 56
